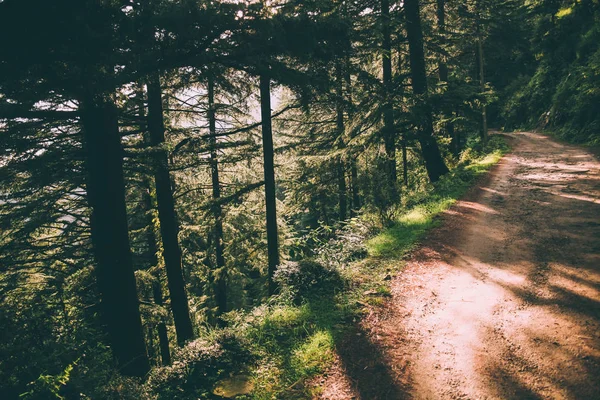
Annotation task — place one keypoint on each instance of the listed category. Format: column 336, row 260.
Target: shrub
column 198, row 366
column 301, row 278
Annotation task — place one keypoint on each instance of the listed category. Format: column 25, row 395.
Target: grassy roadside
column 296, row 342
column 271, row 351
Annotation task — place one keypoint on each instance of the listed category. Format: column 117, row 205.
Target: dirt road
column 502, row 301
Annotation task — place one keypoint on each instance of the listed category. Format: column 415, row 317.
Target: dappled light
column 477, row 207
column 501, row 302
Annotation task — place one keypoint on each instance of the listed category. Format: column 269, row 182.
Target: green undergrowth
column 415, row 221
column 276, row 349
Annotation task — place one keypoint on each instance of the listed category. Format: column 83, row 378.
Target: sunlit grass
column 563, row 12
column 314, row 354
column 403, row 236
column 297, row 342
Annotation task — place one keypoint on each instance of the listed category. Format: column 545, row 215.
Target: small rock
column 234, row 386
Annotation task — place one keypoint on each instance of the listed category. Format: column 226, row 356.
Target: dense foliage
column 191, row 190
column 555, row 83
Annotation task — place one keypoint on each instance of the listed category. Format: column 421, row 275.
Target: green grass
column 298, row 342
column 404, row 235
column 292, row 343
column 401, row 238
column 563, row 12
column 314, row 354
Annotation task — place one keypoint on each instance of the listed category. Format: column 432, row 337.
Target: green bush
column 302, row 278
column 198, row 366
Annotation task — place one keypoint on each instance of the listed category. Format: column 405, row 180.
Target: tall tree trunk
column 389, row 130
column 455, row 136
column 341, row 167
column 110, row 240
column 163, row 338
column 480, row 59
column 323, row 207
column 443, row 71
column 221, row 273
column 342, row 199
column 150, row 347
column 354, row 186
column 161, row 328
column 441, row 20
column 355, row 199
column 167, row 217
column 404, row 162
column 436, row 167
column 151, row 239
column 269, row 171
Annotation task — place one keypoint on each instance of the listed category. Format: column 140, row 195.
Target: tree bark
column 355, row 199
column 479, row 60
column 163, row 338
column 110, row 240
column 443, row 71
column 434, row 163
column 355, row 194
column 167, row 217
column 161, row 328
column 151, row 239
column 269, row 172
column 389, row 130
column 484, row 127
column 441, row 19
column 404, row 163
column 341, row 167
column 221, row 273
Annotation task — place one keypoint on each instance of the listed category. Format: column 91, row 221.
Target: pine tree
column 436, row 167
column 269, row 176
column 389, row 128
column 166, row 213
column 77, row 64
column 221, row 273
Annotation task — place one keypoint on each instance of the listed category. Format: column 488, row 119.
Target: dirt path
column 502, row 301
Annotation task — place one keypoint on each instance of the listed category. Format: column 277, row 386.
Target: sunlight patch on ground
column 575, row 197
column 506, row 276
column 477, row 207
column 494, row 191
column 582, row 289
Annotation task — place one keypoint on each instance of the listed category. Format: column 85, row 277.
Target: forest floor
column 501, row 301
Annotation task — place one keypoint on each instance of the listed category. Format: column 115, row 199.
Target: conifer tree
column 221, row 273
column 389, row 129
column 269, row 176
column 79, row 63
column 436, row 167
column 166, row 213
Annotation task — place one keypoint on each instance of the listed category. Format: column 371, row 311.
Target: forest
column 203, row 198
